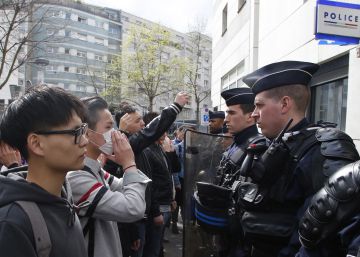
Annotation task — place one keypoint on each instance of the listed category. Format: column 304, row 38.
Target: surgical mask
column 107, row 147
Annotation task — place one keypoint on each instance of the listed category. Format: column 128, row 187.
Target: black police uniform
column 290, row 171
column 330, row 226
column 215, row 209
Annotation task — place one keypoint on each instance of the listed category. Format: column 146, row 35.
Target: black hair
column 93, row 104
column 149, row 117
column 41, row 108
column 124, row 108
column 247, row 108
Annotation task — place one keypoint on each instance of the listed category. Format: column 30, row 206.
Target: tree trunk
column 197, row 112
column 151, row 104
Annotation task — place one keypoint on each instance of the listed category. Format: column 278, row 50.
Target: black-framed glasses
column 78, row 133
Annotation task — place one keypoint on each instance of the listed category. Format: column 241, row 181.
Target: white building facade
column 253, row 33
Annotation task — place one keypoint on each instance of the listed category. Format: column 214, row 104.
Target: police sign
column 338, row 19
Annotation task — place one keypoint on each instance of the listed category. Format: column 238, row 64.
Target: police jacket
column 330, row 226
column 235, row 154
column 272, row 206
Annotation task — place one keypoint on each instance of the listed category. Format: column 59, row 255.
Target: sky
column 176, row 14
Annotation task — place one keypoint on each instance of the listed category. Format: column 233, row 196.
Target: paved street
column 173, row 248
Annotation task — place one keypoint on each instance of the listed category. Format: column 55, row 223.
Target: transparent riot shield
column 203, row 153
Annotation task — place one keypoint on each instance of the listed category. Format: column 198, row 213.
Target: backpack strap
column 89, row 228
column 39, row 228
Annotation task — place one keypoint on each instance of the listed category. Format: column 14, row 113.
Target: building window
column 82, row 36
column 99, row 41
column 81, row 54
column 112, row 16
column 99, row 57
column 51, row 68
column 206, row 83
column 231, row 79
column 99, row 24
column 67, row 69
column 80, row 88
column 330, row 102
column 67, row 51
column 66, row 86
column 113, row 31
column 50, row 32
column 67, row 33
column 51, row 50
column 125, row 18
column 224, row 19
column 54, row 13
column 68, row 16
column 112, row 46
column 82, row 20
column 81, row 71
column 241, row 4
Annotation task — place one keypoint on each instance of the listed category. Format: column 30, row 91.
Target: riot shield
column 203, row 153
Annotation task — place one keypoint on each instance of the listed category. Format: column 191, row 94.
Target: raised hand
column 123, row 154
column 182, row 98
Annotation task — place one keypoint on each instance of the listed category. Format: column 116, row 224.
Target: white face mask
column 107, row 147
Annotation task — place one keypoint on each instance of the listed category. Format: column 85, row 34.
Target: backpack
column 41, row 234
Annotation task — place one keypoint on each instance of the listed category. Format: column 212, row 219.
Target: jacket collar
column 94, row 165
column 242, row 136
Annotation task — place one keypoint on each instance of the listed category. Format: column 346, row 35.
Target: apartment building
column 81, row 40
column 76, row 43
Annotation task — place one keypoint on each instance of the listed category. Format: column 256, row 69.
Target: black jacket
column 139, row 141
column 16, row 235
column 142, row 139
column 145, row 137
column 162, row 166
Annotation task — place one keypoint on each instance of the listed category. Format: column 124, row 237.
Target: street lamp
column 40, row 62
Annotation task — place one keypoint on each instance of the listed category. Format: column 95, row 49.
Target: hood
column 15, row 188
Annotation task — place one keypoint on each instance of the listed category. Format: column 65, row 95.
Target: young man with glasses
column 46, row 126
column 106, row 199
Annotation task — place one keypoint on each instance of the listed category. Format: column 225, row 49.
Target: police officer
column 294, row 166
column 242, row 126
column 216, row 122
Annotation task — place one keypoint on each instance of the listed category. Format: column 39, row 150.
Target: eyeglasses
column 78, row 133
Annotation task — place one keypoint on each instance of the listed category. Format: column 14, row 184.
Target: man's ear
column 249, row 118
column 285, row 104
column 35, row 145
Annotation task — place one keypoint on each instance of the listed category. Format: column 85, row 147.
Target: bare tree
column 23, row 25
column 197, row 61
column 91, row 75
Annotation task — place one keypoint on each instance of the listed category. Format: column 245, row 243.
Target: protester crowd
column 77, row 182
